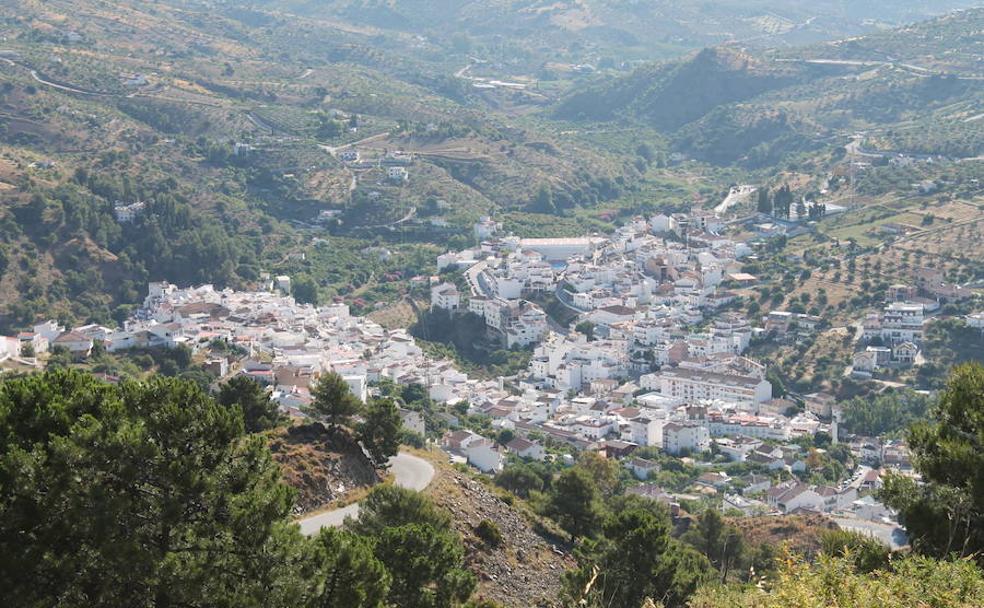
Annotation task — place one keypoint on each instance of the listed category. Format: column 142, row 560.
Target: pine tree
column 259, row 411
column 380, row 431
column 142, row 494
column 334, row 401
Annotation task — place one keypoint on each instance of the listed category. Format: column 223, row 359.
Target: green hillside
column 109, row 104
column 725, row 106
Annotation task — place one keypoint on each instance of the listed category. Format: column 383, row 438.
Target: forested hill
column 544, row 30
column 725, row 105
column 113, row 104
column 668, row 96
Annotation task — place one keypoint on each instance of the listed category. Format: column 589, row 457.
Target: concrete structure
column 77, row 344
column 446, row 297
column 127, row 213
column 561, row 248
column 685, row 437
column 693, row 385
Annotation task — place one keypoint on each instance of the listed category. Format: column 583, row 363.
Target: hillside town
column 657, row 365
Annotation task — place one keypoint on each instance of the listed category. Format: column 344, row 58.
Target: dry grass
column 801, row 533
column 395, row 316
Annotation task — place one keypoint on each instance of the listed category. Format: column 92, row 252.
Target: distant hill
column 625, row 29
column 670, row 96
column 107, row 104
column 725, row 106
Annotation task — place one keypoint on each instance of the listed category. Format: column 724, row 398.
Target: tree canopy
column 834, row 581
column 576, row 503
column 945, row 514
column 636, row 558
column 379, row 432
column 259, row 411
column 152, row 494
column 134, row 495
column 413, row 539
column 334, row 401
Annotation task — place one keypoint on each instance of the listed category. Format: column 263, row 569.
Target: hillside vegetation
column 757, row 108
column 145, row 102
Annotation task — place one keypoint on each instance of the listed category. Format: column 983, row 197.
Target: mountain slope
column 226, row 123
column 670, row 96
column 725, row 106
column 547, row 30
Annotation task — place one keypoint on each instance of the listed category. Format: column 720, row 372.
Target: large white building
column 558, row 249
column 445, row 296
column 567, row 363
column 687, row 436
column 521, row 323
column 747, row 425
column 898, row 322
column 644, row 429
column 696, row 385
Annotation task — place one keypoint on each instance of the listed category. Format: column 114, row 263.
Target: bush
column 414, row 440
column 489, row 533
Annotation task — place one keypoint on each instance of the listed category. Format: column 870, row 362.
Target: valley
column 459, row 304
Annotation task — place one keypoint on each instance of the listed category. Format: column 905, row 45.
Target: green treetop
column 333, row 401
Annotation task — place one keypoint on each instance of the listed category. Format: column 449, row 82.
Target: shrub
column 489, row 533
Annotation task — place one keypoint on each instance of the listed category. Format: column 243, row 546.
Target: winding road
column 411, row 472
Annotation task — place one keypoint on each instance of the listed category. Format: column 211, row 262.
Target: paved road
column 336, row 149
column 735, row 196
column 892, row 535
column 410, row 472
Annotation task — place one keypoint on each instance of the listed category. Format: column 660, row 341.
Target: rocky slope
column 322, row 466
column 525, row 569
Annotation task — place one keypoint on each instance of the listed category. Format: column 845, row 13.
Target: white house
column 663, row 223
column 483, row 455
column 358, row 385
column 77, row 344
column 793, row 495
column 695, row 385
column 485, row 228
column 593, row 428
column 612, row 315
column 397, row 174
column 641, row 468
column 755, row 483
column 737, row 449
column 49, row 330
column 898, row 322
column 643, row 430
column 9, row 347
column 747, row 506
column 526, row 449
column 445, row 296
column 905, row 353
column 413, row 421
column 32, row 340
column 867, row 507
column 127, row 213
column 685, row 436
